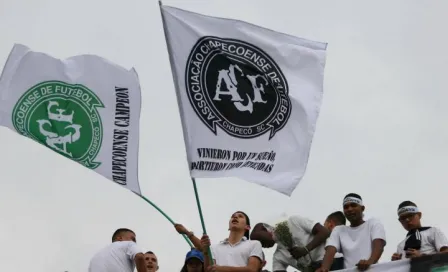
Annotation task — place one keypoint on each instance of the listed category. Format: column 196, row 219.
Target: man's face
column 151, row 262
column 353, row 212
column 238, row 222
column 265, row 238
column 127, row 236
column 410, row 221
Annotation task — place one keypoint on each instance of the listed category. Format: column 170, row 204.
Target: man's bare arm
column 140, row 262
column 321, row 234
column 377, row 250
column 330, row 251
column 195, row 240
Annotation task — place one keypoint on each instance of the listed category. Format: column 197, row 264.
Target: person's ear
column 248, row 227
column 363, row 208
column 419, row 214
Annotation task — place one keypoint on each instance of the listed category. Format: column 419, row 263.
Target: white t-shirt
column 356, row 243
column 432, row 239
column 226, row 254
column 116, row 257
column 301, row 229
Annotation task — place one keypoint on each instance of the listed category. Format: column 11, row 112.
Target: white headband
column 407, row 209
column 351, row 199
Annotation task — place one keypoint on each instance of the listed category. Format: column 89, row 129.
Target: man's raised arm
column 140, row 262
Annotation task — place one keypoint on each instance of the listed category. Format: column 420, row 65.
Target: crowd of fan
column 316, row 247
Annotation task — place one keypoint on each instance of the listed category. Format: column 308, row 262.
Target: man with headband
column 419, row 240
column 362, row 243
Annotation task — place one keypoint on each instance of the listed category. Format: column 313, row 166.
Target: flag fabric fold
column 85, row 108
column 249, row 97
column 396, row 266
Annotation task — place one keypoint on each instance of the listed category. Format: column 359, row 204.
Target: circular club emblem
column 64, row 117
column 238, row 87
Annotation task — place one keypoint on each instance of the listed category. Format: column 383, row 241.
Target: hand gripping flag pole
column 183, row 130
column 196, row 194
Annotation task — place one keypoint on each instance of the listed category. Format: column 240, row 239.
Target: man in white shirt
column 122, row 255
column 362, row 243
column 420, row 240
column 236, row 253
column 309, row 238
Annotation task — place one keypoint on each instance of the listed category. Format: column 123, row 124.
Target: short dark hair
column 406, row 203
column 353, row 195
column 246, row 234
column 337, row 217
column 150, row 252
column 118, row 232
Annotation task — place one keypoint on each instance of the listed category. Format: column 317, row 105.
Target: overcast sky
column 382, row 130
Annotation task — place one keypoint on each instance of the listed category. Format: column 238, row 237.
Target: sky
column 381, row 131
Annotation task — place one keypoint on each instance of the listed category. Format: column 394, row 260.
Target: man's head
column 335, row 219
column 123, row 235
column 409, row 215
column 240, row 222
column 262, row 234
column 353, row 208
column 152, row 264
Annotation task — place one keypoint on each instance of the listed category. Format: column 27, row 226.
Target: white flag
column 395, row 266
column 84, row 107
column 249, row 97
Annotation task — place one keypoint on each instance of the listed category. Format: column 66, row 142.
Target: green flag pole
column 175, row 80
column 166, row 216
column 201, row 217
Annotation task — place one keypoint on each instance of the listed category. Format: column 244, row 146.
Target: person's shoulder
column 340, row 228
column 127, row 242
column 435, row 230
column 374, row 221
column 254, row 243
column 123, row 244
column 219, row 244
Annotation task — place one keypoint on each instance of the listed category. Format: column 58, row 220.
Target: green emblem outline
column 86, row 159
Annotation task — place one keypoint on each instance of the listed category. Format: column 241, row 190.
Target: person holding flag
column 236, row 253
column 190, row 235
column 420, row 240
column 362, row 243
